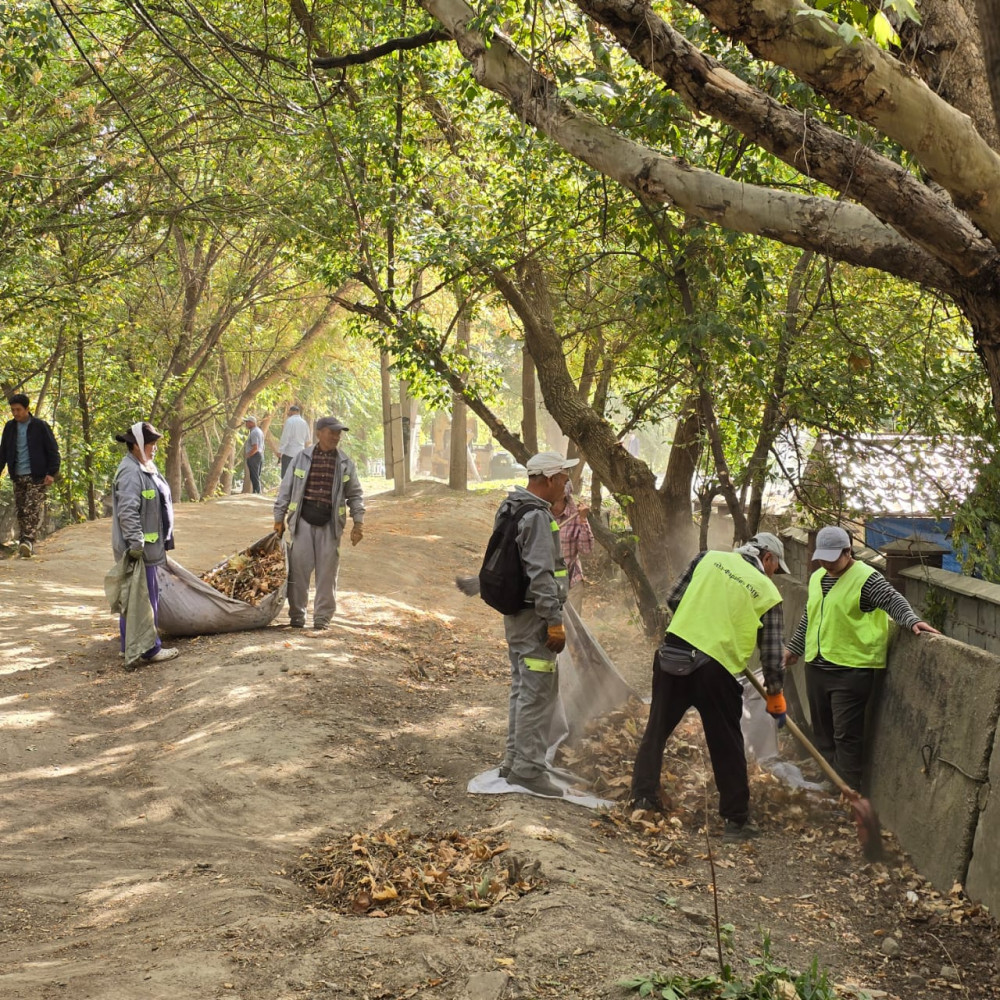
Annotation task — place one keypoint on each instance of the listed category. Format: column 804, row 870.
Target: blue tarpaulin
column 879, row 531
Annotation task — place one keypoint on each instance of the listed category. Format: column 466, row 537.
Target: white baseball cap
column 830, row 543
column 549, row 463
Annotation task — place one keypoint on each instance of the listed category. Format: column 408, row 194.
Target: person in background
column 294, row 437
column 142, row 520
column 29, row 451
column 315, row 494
column 576, row 538
column 724, row 604
column 253, row 451
column 844, row 635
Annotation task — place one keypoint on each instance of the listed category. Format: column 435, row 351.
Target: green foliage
column 976, row 524
column 27, row 39
column 771, row 981
column 853, row 20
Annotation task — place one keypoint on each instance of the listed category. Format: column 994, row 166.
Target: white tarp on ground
column 189, row 606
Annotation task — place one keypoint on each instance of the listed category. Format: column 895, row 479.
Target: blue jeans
column 254, row 464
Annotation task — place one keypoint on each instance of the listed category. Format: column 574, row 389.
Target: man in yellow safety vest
column 724, row 605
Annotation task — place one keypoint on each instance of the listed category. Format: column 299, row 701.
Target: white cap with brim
column 549, row 463
column 830, row 543
column 765, row 541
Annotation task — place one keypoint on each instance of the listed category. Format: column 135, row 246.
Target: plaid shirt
column 319, row 485
column 575, row 538
column 768, row 636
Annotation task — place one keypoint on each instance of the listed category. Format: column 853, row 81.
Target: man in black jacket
column 29, row 451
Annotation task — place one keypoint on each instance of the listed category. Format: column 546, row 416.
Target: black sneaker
column 504, row 771
column 25, row 550
column 734, row 832
column 297, row 624
column 647, row 804
column 541, row 784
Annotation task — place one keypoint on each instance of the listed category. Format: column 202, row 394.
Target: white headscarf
column 141, row 442
column 753, row 551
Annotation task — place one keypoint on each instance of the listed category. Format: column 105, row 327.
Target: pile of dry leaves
column 250, row 575
column 604, row 755
column 390, row 872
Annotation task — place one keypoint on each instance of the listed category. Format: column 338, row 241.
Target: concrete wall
column 934, row 749
column 970, row 609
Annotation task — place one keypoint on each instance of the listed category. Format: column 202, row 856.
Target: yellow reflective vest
column 722, row 606
column 837, row 629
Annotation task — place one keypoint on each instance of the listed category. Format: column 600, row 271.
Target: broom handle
column 803, row 739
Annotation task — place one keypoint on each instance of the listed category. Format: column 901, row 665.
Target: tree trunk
column 630, row 479
column 175, row 441
column 772, row 420
column 85, row 425
column 188, row 475
column 458, row 466
column 685, row 453
column 529, row 403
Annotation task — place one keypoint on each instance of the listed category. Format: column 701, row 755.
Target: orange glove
column 357, row 533
column 556, row 639
column 279, row 528
column 777, row 708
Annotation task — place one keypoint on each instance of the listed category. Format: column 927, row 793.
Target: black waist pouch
column 315, row 513
column 679, row 662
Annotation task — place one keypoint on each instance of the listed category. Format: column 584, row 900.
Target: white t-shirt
column 294, row 436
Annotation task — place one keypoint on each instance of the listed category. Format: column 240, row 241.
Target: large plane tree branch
column 816, row 150
column 871, row 85
column 844, row 231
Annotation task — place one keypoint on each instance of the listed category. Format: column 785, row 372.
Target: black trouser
column 838, row 700
column 286, row 460
column 718, row 697
column 254, row 464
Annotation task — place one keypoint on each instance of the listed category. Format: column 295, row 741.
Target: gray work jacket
column 136, row 514
column 346, row 493
column 541, row 554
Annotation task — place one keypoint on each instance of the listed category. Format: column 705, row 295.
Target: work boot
column 297, row 624
column 647, row 804
column 541, row 784
column 504, row 771
column 734, row 832
column 25, row 550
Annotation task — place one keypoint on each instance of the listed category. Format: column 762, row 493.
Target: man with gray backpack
column 524, row 577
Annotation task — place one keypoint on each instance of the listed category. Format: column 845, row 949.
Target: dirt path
column 150, row 820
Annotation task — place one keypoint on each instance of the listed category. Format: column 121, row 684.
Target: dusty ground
column 151, row 821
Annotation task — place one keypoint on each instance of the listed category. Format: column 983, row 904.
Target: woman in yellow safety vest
column 844, row 635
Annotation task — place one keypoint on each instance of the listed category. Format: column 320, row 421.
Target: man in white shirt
column 294, row 437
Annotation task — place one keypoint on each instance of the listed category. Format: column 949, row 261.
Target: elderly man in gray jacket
column 535, row 634
column 316, row 492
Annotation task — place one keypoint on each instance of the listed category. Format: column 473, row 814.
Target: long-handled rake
column 863, row 812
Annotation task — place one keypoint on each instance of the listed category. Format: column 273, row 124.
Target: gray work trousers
column 313, row 549
column 534, row 690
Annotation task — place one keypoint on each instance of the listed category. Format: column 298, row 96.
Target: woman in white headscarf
column 142, row 518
